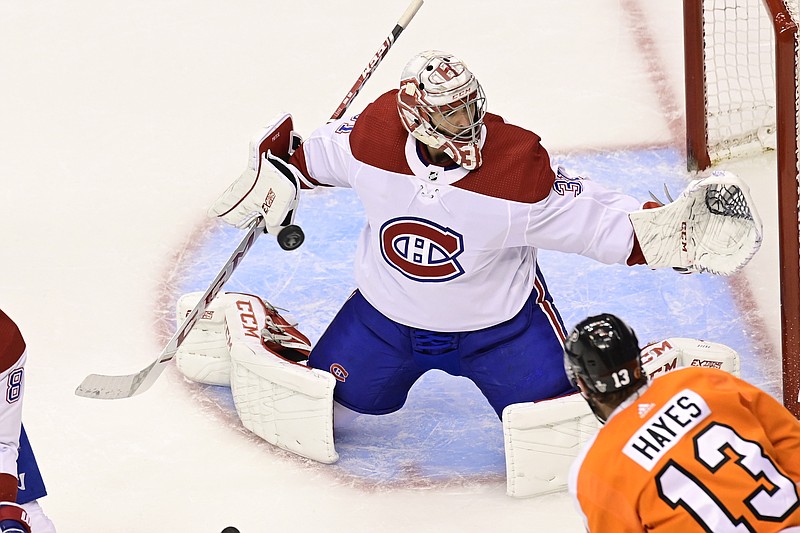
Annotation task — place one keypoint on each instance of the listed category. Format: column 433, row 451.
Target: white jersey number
column 621, row 378
column 469, row 156
column 676, row 486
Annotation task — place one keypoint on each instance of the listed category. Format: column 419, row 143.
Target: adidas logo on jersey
column 645, row 408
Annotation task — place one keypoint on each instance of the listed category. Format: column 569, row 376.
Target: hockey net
column 742, row 78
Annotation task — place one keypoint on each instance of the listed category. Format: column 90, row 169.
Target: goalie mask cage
column 741, row 61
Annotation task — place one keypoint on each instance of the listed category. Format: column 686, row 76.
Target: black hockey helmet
column 604, row 352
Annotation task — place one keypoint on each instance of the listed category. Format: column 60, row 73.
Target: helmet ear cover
column 604, row 352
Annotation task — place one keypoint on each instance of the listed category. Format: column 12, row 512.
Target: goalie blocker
column 542, row 439
column 244, row 342
column 269, row 187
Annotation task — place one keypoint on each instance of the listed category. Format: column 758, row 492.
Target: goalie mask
column 604, row 353
column 442, row 105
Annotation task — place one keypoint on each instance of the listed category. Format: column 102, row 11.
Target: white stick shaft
column 114, row 387
column 409, row 14
column 411, row 10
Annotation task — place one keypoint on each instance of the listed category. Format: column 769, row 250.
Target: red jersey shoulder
column 378, row 138
column 12, row 345
column 515, row 164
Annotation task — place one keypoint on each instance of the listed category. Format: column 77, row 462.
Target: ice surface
column 121, row 122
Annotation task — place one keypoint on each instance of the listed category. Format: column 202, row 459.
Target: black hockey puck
column 291, row 237
column 230, row 529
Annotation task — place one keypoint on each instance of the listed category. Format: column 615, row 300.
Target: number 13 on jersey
column 770, row 495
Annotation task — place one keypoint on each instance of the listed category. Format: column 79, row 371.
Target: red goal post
column 741, row 61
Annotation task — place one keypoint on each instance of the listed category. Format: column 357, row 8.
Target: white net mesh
column 740, row 77
column 751, row 73
column 727, row 200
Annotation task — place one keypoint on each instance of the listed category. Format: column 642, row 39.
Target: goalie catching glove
column 713, row 227
column 270, row 186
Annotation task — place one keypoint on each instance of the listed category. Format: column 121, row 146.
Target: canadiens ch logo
column 421, row 250
column 339, row 372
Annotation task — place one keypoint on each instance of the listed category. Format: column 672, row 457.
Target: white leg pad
column 287, row 404
column 542, row 439
column 676, row 352
column 204, row 356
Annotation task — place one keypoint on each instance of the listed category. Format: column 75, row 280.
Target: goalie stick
column 402, row 23
column 292, row 236
column 114, row 387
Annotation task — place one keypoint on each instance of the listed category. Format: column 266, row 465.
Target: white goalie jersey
column 421, row 261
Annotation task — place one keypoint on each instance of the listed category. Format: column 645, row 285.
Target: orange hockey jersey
column 697, row 450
